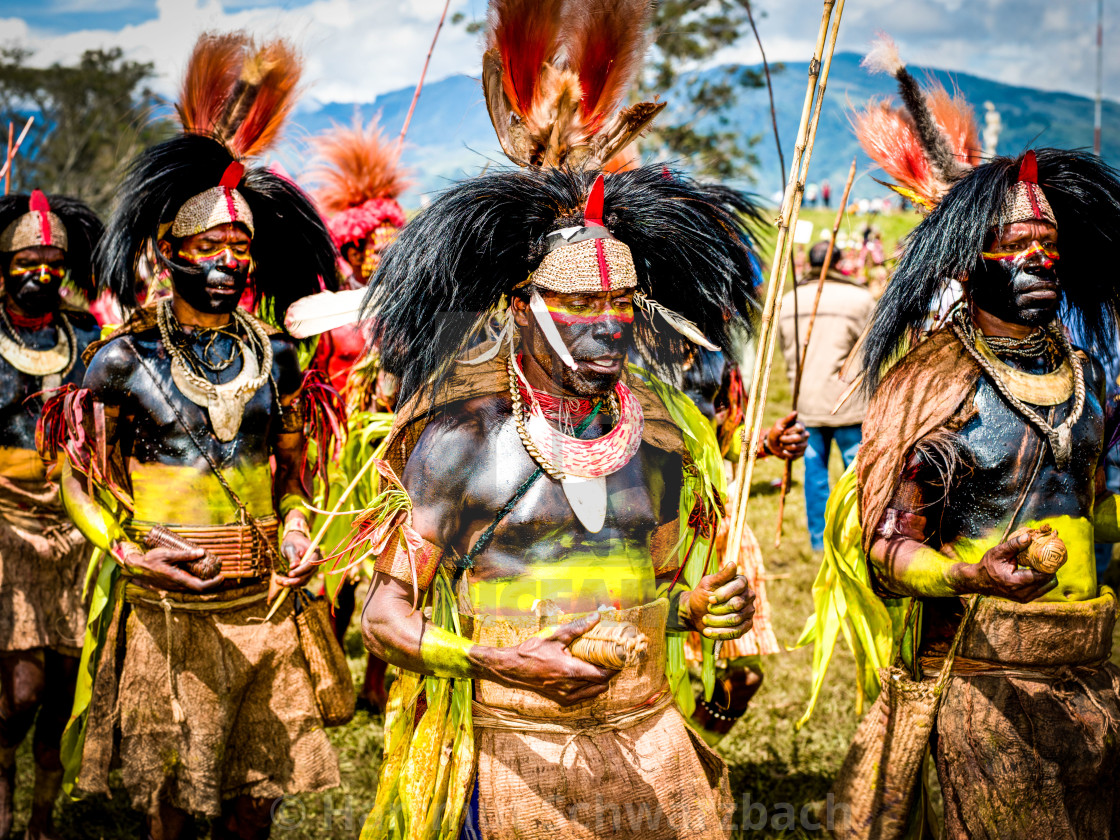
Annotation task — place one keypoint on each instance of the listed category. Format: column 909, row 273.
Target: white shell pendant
column 588, row 498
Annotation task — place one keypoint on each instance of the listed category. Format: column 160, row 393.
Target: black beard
column 209, row 288
column 1003, row 288
column 32, row 297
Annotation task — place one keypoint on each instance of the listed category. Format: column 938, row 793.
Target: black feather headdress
column 291, row 247
column 83, row 232
column 1083, row 192
column 447, row 273
column 233, row 101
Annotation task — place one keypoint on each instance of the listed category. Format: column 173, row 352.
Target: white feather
column 326, row 311
column 678, row 322
column 883, row 56
column 548, row 327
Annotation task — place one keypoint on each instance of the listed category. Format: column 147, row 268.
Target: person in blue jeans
column 817, row 488
column 844, row 310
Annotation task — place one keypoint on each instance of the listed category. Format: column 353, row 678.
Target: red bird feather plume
column 237, row 92
column 555, row 71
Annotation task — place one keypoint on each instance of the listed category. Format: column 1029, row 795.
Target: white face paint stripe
column 548, row 327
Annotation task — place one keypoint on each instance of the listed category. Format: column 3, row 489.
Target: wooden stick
column 15, row 149
column 787, row 475
column 791, row 206
column 420, row 84
column 8, row 160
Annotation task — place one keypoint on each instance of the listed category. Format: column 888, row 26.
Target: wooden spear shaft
column 795, row 189
column 15, row 149
column 8, row 160
column 420, row 84
column 803, row 350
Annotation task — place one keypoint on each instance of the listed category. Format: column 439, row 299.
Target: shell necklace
column 51, row 365
column 225, row 403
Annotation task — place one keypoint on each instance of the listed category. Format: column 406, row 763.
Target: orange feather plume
column 526, row 35
column 957, row 121
column 555, row 71
column 607, row 41
column 237, row 92
column 890, row 138
column 359, row 163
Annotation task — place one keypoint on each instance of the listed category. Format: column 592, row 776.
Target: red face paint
column 46, row 273
column 620, row 311
column 1049, row 255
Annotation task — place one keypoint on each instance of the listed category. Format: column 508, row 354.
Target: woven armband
column 394, row 563
column 662, row 543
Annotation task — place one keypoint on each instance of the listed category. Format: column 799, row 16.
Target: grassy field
column 770, row 763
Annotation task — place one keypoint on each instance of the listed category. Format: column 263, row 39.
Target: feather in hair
column 212, row 71
column 238, row 93
column 548, row 327
column 889, row 138
column 525, row 35
column 326, row 311
column 883, row 56
column 682, row 325
column 1084, row 193
column 606, row 43
column 451, row 265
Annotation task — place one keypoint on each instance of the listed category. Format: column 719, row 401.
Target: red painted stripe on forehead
column 231, row 205
column 567, row 318
column 604, row 267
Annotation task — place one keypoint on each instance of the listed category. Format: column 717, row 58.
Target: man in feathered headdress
column 556, row 508
column 200, row 692
column 975, row 487
column 44, row 242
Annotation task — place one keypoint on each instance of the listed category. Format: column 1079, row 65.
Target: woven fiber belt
column 237, row 546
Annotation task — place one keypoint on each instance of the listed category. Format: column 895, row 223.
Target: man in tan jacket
column 844, row 310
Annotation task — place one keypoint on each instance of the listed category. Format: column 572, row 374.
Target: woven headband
column 220, row 205
column 38, row 227
column 1025, row 201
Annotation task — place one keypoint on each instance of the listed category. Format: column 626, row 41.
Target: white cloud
column 357, row 49
column 354, row 49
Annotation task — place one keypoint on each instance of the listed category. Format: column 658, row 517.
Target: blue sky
column 356, row 49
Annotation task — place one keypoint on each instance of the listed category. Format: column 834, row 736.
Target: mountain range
column 450, row 137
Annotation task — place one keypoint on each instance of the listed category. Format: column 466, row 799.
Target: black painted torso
column 18, row 415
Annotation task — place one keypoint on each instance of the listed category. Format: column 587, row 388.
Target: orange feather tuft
column 238, row 93
column 526, row 34
column 269, row 78
column 358, row 163
column 212, row 71
column 890, row 138
column 606, row 42
column 957, row 122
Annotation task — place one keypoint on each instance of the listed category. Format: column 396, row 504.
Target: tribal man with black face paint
column 555, row 508
column 977, row 489
column 43, row 243
column 186, row 461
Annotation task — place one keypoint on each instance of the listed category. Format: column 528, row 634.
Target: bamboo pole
column 803, row 348
column 8, row 159
column 787, row 220
column 420, row 84
column 15, row 149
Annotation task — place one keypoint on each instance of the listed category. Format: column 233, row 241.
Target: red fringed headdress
column 360, row 179
column 554, row 73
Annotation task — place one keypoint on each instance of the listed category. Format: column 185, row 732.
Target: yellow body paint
column 21, row 464
column 1077, row 579
column 184, row 495
column 95, row 522
column 582, row 581
column 445, row 654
